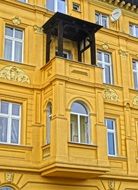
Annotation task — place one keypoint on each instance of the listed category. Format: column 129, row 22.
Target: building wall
column 64, row 165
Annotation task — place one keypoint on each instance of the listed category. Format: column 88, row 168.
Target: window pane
column 61, row 6
column 16, row 109
column 136, row 31
column 78, row 108
column 8, row 49
column 6, row 188
column 130, row 30
column 14, row 131
column 104, row 21
column 110, row 123
column 4, row 107
column 3, row 129
column 99, row 56
column 18, row 34
column 18, row 52
column 111, row 144
column 97, row 18
column 74, row 128
column 106, row 58
column 84, row 136
column 134, row 65
column 107, row 74
column 9, row 31
column 50, row 5
column 135, row 80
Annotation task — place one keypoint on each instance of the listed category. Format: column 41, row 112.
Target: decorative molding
column 9, row 176
column 105, row 46
column 111, row 184
column 16, row 20
column 38, row 29
column 110, row 94
column 123, row 53
column 14, row 74
column 135, row 101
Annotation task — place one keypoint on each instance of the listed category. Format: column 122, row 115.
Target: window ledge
column 15, row 146
column 121, row 158
column 80, row 145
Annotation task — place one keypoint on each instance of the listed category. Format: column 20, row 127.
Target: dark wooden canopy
column 65, row 26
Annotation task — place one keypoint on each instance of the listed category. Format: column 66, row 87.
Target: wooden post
column 60, row 39
column 48, row 41
column 92, row 49
column 79, row 52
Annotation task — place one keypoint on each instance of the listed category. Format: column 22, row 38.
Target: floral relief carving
column 14, row 74
column 16, row 20
column 135, row 101
column 38, row 29
column 110, row 94
column 9, row 176
column 123, row 53
column 111, row 184
column 105, row 46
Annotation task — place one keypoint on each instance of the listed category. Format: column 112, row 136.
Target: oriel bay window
column 10, row 122
column 79, row 123
column 13, row 49
column 111, row 136
column 104, row 61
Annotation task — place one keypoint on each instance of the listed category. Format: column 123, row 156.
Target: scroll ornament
column 110, row 94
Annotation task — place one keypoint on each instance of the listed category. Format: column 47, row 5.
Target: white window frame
column 9, row 117
column 101, row 16
column 14, row 39
column 56, row 9
column 135, row 72
column 79, row 127
column 48, row 122
column 103, row 64
column 132, row 31
column 111, row 131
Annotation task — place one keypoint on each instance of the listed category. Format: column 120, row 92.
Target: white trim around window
column 14, row 44
column 104, row 60
column 135, row 73
column 10, row 122
column 111, row 136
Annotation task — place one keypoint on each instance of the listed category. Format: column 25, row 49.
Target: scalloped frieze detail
column 135, row 101
column 14, row 74
column 110, row 94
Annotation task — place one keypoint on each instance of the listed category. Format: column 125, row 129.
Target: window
column 6, row 188
column 23, row 1
column 66, row 54
column 10, row 121
column 111, row 136
column 57, row 5
column 133, row 30
column 48, row 122
column 80, row 132
column 102, row 19
column 104, row 61
column 135, row 74
column 13, row 44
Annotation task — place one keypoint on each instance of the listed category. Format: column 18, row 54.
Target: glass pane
column 99, row 56
column 110, row 123
column 48, row 122
column 74, row 128
column 14, row 131
column 135, row 80
column 50, row 5
column 111, row 144
column 134, row 66
column 130, row 30
column 9, row 31
column 6, row 188
column 97, row 18
column 18, row 52
column 107, row 74
column 8, row 49
column 16, row 109
column 136, row 31
column 18, row 34
column 105, row 21
column 4, row 107
column 61, row 6
column 106, row 58
column 3, row 129
column 78, row 108
column 84, row 136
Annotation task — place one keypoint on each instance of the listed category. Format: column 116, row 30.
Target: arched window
column 79, row 120
column 6, row 188
column 48, row 122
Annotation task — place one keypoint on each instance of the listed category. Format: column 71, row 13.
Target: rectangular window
column 23, row 1
column 13, row 44
column 10, row 121
column 57, row 5
column 104, row 61
column 102, row 19
column 135, row 74
column 66, row 54
column 133, row 30
column 111, row 136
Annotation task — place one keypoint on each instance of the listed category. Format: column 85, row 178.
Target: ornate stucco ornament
column 110, row 94
column 9, row 176
column 135, row 101
column 38, row 29
column 123, row 53
column 111, row 184
column 14, row 74
column 16, row 20
column 105, row 46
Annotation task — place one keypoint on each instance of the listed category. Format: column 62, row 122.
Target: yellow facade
column 63, row 165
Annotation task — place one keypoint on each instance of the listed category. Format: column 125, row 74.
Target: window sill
column 121, row 158
column 80, row 145
column 15, row 146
